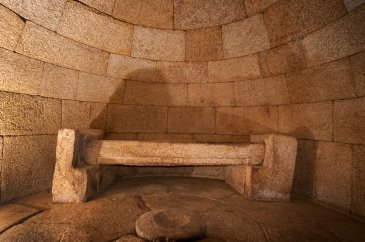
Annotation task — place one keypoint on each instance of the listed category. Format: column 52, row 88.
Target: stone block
column 352, row 4
column 11, row 27
column 289, row 19
column 45, row 13
column 307, row 121
column 245, row 37
column 159, row 94
column 182, row 72
column 157, row 44
column 326, row 82
column 84, row 25
column 135, row 119
column 199, row 49
column 105, row 6
column 45, row 45
column 236, row 69
column 102, row 89
column 349, row 121
column 24, row 115
column 12, row 214
column 282, row 59
column 121, row 136
column 247, row 120
column 339, row 39
column 59, row 82
column 172, row 137
column 267, row 91
column 257, row 6
column 358, row 180
column 215, row 172
column 131, row 68
column 27, row 165
column 206, row 13
column 77, row 115
column 333, row 164
column 211, row 94
column 221, row 138
column 19, row 73
column 358, row 66
column 149, row 13
column 191, row 120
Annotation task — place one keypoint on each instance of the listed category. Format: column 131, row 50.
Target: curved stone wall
column 211, row 71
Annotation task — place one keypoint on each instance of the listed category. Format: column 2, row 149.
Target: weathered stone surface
column 199, row 49
column 215, row 172
column 349, row 121
column 236, row 69
column 155, row 13
column 339, row 39
column 77, row 115
column 236, row 176
column 23, row 114
column 158, row 44
column 19, row 73
column 173, row 137
column 352, row 4
column 160, row 94
column 358, row 180
column 267, row 91
column 191, row 120
column 211, row 94
column 105, row 6
column 11, row 27
column 129, row 238
column 257, row 6
column 134, row 119
column 206, row 13
column 326, row 82
column 221, row 138
column 358, row 66
column 40, row 200
column 46, row 13
column 102, row 89
column 131, row 68
column 27, row 165
column 247, row 120
column 333, row 164
column 11, row 214
column 289, row 19
column 182, row 72
column 282, row 59
column 245, row 37
column 59, row 82
column 40, row 43
column 307, row 121
column 98, row 30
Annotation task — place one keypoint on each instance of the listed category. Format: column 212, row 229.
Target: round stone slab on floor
column 170, row 225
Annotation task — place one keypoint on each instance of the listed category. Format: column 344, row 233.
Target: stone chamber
column 209, row 71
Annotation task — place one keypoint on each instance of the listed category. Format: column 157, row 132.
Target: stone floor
column 229, row 217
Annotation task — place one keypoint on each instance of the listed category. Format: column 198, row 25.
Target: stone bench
column 260, row 170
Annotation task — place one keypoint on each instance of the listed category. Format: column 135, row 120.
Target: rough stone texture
column 105, row 6
column 333, row 164
column 199, row 49
column 40, row 200
column 129, row 238
column 182, row 72
column 155, row 13
column 174, row 137
column 341, row 38
column 349, row 121
column 40, row 43
column 27, row 165
column 358, row 180
column 289, row 19
column 247, row 120
column 131, row 68
column 326, row 82
column 23, row 114
column 160, row 94
column 11, row 214
column 11, row 27
column 221, row 138
column 267, row 91
column 134, row 119
column 98, row 30
column 102, row 89
column 191, row 120
column 45, row 13
column 212, row 94
column 59, row 82
column 282, row 59
column 83, row 115
column 307, row 121
column 358, row 66
column 158, row 44
column 245, row 37
column 19, row 73
column 236, row 69
column 206, row 13
column 257, row 6
column 352, row 4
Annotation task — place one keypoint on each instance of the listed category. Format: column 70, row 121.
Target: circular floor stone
column 170, row 225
